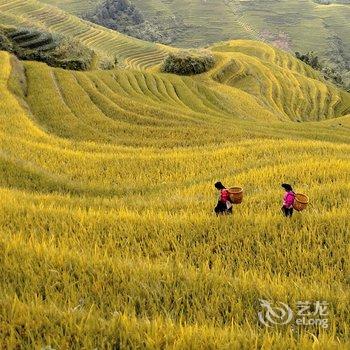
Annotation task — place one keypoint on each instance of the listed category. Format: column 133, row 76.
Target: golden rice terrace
column 108, row 239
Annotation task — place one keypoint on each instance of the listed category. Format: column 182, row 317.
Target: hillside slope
column 251, row 81
column 279, row 81
column 324, row 28
column 306, row 25
column 302, row 26
column 107, row 238
column 128, row 51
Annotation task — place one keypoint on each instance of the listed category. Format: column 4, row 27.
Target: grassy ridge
column 106, row 197
column 283, row 83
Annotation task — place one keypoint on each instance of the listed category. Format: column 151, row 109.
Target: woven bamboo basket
column 236, row 195
column 300, row 202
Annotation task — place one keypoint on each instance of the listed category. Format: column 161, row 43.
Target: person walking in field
column 288, row 200
column 224, row 205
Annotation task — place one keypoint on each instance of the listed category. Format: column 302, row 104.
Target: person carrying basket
column 288, row 200
column 224, row 205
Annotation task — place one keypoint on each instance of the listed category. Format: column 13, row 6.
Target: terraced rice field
column 32, row 39
column 106, row 179
column 74, row 6
column 258, row 69
column 130, row 52
column 309, row 25
column 204, row 23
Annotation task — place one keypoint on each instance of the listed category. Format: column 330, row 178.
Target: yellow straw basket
column 236, row 195
column 300, row 202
